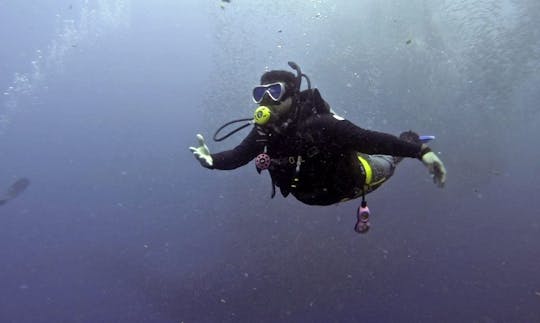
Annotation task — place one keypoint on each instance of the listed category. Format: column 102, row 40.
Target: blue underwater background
column 100, row 100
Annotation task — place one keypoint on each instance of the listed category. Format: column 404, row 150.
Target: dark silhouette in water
column 14, row 190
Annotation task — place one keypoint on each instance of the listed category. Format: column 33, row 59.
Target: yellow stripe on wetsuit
column 367, row 181
column 367, row 169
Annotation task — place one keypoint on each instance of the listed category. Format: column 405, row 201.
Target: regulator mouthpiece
column 262, row 115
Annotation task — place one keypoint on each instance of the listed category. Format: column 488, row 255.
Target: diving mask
column 276, row 91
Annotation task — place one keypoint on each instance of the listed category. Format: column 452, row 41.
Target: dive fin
column 425, row 139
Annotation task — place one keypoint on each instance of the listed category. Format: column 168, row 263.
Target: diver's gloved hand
column 202, row 153
column 435, row 166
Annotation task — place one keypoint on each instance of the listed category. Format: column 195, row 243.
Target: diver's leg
column 378, row 169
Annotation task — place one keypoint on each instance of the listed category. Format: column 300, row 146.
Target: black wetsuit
column 327, row 146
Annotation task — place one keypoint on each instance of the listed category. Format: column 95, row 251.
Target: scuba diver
column 14, row 190
column 311, row 152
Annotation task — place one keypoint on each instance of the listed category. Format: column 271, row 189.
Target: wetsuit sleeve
column 373, row 142
column 240, row 155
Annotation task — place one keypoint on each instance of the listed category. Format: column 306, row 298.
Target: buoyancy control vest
column 290, row 148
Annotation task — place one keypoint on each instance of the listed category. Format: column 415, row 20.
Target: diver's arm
column 373, row 142
column 240, row 155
